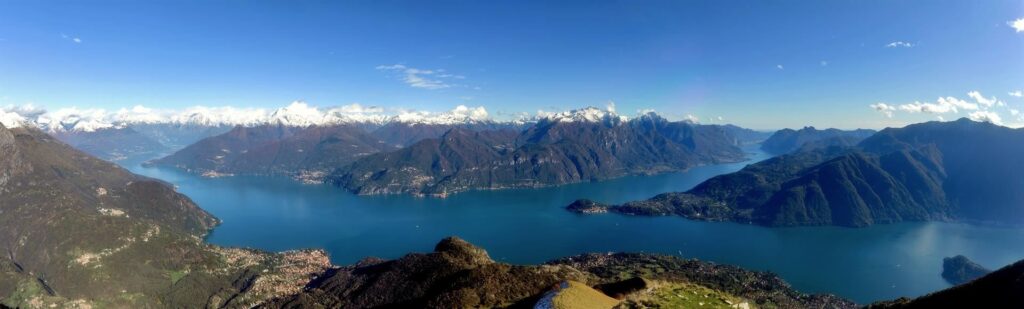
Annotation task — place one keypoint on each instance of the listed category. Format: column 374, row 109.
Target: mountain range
column 787, row 140
column 338, row 151
column 961, row 170
column 83, row 232
column 304, row 152
column 582, row 145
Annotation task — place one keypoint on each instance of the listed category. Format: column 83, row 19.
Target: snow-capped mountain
column 588, row 114
column 296, row 114
column 11, row 119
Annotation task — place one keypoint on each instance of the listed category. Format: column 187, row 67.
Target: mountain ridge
column 922, row 172
column 552, row 152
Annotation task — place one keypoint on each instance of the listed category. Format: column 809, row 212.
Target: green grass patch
column 685, row 295
column 176, row 275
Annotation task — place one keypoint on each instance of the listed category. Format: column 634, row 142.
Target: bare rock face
column 11, row 163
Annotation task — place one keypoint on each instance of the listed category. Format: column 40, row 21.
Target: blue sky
column 760, row 64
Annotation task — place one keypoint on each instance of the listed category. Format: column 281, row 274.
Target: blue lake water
column 531, row 226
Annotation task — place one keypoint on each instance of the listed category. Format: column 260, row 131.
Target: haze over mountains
column 787, row 140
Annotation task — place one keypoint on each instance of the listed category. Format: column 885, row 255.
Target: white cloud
column 987, row 116
column 941, row 106
column 356, row 108
column 980, row 109
column 420, row 78
column 75, row 39
column 897, row 44
column 11, row 119
column 982, row 100
column 610, row 107
column 459, row 114
column 691, row 118
column 139, row 114
column 883, row 108
column 1017, row 93
column 780, row 67
column 297, row 113
column 1017, row 24
column 29, row 111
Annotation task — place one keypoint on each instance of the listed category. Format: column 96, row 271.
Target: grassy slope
column 79, row 230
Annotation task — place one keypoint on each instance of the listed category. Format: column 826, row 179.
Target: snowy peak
column 218, row 116
column 356, row 114
column 74, row 119
column 11, row 119
column 296, row 114
column 588, row 114
column 459, row 115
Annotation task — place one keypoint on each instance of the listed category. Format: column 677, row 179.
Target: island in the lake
column 959, row 269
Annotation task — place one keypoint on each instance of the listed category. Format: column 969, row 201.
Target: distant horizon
column 842, row 64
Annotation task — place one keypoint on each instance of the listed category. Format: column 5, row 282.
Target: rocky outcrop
column 460, row 275
column 959, row 269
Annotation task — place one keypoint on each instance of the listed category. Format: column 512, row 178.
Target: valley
column 511, row 154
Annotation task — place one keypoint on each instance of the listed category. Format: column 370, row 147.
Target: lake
column 527, row 226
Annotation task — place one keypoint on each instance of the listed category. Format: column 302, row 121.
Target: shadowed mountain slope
column 788, row 140
column 962, row 170
column 276, row 149
column 1003, row 288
